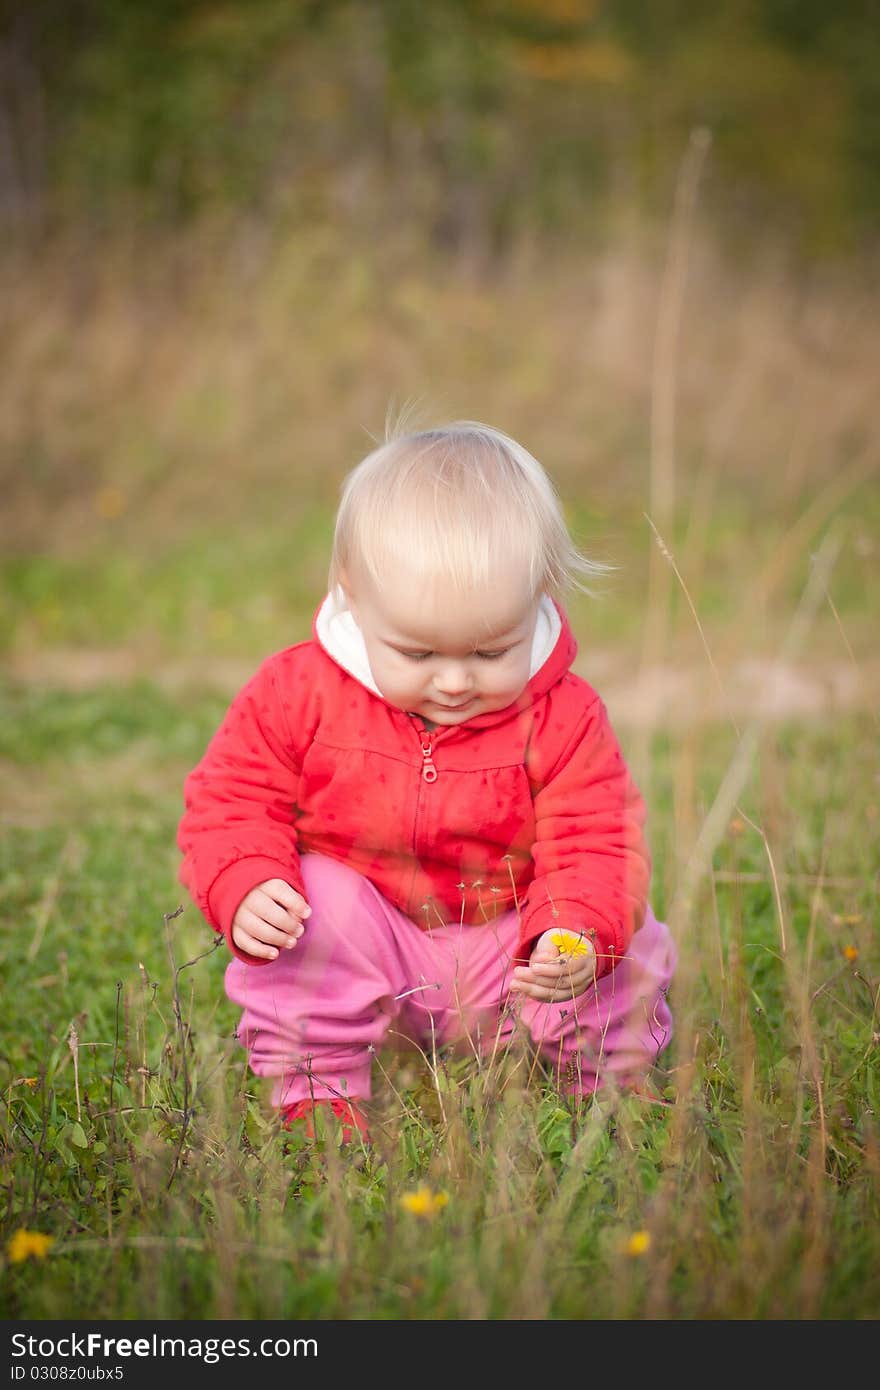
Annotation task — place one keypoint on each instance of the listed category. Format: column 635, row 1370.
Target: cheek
column 516, row 676
column 393, row 676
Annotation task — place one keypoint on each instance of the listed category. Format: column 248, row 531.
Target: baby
column 417, row 826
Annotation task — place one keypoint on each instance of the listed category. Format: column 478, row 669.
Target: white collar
column 341, row 637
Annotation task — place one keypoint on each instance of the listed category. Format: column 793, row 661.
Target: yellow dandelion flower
column 570, row 943
column 423, row 1202
column 31, row 1081
column 25, row 1243
column 851, row 952
column 639, row 1243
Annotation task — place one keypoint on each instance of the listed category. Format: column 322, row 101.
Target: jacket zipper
column 429, row 771
column 429, row 774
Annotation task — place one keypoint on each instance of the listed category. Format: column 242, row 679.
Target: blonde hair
column 454, row 502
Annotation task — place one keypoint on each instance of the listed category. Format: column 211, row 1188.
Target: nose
column 452, row 681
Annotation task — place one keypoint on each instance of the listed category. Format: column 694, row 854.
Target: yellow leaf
column 599, row 61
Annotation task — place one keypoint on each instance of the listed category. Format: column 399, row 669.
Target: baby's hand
column 269, row 919
column 561, row 966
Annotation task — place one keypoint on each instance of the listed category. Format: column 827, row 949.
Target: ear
column 347, row 588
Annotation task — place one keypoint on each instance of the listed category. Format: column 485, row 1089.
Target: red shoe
column 354, row 1126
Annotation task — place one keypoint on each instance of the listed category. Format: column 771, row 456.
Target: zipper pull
column 429, row 771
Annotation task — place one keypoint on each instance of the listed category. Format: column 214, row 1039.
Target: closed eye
column 484, row 656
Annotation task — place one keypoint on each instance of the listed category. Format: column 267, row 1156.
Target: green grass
column 230, row 592
column 142, row 1145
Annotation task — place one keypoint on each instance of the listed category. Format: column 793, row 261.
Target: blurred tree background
column 475, row 122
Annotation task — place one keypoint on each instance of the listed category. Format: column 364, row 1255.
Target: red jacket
column 532, row 807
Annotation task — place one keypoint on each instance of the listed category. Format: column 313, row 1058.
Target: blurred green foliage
column 471, row 122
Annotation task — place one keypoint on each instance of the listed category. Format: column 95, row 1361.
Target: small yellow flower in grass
column 423, row 1202
column 30, row 1081
column 638, row 1244
column 569, row 943
column 851, row 952
column 25, row 1243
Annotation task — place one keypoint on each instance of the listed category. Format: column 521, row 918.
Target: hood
column 553, row 646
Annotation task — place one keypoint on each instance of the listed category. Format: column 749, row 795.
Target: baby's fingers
column 281, row 892
column 266, row 910
column 559, row 969
column 270, row 937
column 251, row 946
column 551, row 982
column 533, row 990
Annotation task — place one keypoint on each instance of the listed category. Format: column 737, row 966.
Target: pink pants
column 364, row 975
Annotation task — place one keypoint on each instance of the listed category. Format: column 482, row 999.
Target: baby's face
column 446, row 656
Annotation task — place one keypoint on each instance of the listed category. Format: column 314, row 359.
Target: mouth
column 462, row 704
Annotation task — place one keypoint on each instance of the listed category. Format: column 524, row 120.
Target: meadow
column 175, row 423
